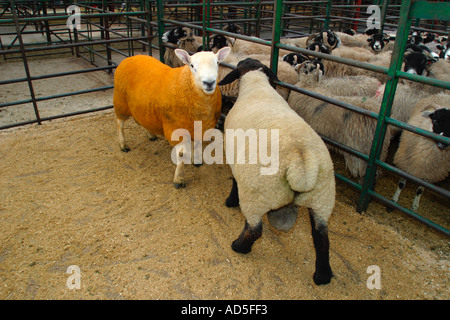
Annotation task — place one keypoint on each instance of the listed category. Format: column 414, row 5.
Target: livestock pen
column 51, row 72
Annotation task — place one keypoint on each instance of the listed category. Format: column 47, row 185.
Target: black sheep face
column 248, row 65
column 173, row 36
column 295, row 59
column 218, row 41
column 416, row 63
column 332, row 38
column 311, row 66
column 377, row 42
column 415, row 38
column 441, row 124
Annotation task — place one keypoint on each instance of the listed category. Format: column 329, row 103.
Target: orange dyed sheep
column 163, row 99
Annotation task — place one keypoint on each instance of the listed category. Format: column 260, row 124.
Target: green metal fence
column 269, row 21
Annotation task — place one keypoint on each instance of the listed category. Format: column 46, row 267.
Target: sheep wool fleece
column 162, row 99
column 305, row 175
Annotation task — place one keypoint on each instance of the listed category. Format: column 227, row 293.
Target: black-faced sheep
column 183, row 38
column 305, row 174
column 423, row 64
column 420, row 156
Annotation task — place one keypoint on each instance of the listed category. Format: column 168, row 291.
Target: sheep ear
column 426, row 113
column 223, row 53
column 231, row 77
column 429, row 110
column 183, row 55
column 272, row 76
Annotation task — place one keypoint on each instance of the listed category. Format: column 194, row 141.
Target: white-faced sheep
column 163, row 99
column 344, row 126
column 183, row 38
column 305, row 175
column 420, row 156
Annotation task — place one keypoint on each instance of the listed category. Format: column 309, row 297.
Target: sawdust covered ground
column 71, row 197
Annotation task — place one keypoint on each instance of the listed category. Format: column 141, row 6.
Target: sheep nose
column 209, row 85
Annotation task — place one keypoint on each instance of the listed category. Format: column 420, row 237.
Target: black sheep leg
column 323, row 272
column 233, row 198
column 249, row 235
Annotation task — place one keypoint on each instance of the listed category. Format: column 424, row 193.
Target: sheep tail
column 302, row 172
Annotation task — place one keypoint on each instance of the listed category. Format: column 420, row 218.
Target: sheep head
column 377, row 41
column 245, row 66
column 295, row 59
column 417, row 62
column 440, row 121
column 204, row 67
column 312, row 68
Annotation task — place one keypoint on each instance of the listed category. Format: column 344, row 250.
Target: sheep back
column 305, row 173
column 419, row 155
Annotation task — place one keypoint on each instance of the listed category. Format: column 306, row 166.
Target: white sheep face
column 204, row 67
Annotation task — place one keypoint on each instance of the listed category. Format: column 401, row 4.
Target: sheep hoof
column 240, row 247
column 197, row 164
column 125, row 149
column 232, row 202
column 179, row 185
column 322, row 277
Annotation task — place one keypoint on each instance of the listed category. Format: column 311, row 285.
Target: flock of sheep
column 163, row 97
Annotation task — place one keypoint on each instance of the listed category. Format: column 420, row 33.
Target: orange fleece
column 163, row 99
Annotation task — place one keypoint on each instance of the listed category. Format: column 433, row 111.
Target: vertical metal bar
column 276, row 34
column 148, row 5
column 106, row 29
column 385, row 110
column 383, row 14
column 160, row 16
column 206, row 23
column 46, row 24
column 25, row 62
column 258, row 19
column 326, row 24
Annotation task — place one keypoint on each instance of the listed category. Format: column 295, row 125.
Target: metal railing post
column 160, row 17
column 385, row 110
column 276, row 34
column 25, row 61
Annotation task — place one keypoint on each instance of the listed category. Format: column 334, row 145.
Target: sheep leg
column 151, row 136
column 178, row 179
column 122, row 143
column 196, row 153
column 233, row 198
column 249, row 235
column 419, row 192
column 319, row 231
column 400, row 186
